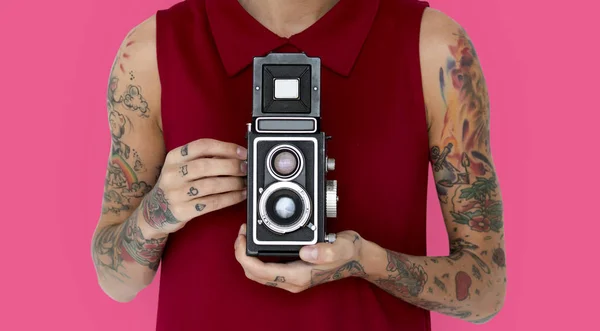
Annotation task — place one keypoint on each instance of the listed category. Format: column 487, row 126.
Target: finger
column 325, row 253
column 277, row 282
column 211, row 186
column 202, row 168
column 205, row 147
column 207, row 204
column 250, row 264
column 298, row 280
column 284, row 286
column 258, row 269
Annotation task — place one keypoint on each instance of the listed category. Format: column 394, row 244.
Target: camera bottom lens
column 284, row 207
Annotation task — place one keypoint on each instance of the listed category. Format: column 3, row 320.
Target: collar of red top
column 336, row 38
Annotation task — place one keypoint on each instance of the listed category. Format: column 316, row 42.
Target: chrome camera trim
column 315, row 214
column 257, row 126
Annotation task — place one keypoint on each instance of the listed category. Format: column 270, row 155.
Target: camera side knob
column 331, row 199
column 330, row 164
column 330, row 238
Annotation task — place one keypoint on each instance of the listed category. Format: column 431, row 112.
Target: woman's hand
column 203, row 176
column 318, row 264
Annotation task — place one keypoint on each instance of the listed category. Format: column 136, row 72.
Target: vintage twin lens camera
column 289, row 197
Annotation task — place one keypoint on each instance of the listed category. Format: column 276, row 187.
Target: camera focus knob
column 330, row 164
column 331, row 199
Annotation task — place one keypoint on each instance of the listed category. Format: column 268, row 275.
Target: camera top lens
column 284, row 162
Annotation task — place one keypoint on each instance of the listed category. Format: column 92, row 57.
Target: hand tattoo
column 193, row 191
column 184, row 150
column 155, row 208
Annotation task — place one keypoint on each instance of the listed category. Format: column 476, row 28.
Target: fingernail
column 309, row 253
column 241, row 151
column 242, row 229
column 244, row 193
column 237, row 240
column 244, row 167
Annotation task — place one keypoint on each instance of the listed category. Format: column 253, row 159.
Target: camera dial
column 331, row 198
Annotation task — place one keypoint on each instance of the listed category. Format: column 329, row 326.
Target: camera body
column 289, row 197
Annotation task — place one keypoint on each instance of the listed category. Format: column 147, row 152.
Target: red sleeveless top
column 371, row 103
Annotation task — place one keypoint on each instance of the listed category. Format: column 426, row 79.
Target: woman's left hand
column 318, row 264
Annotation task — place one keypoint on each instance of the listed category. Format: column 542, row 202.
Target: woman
column 401, row 87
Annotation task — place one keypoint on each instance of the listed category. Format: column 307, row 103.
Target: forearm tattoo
column 404, row 278
column 350, row 269
column 469, row 194
column 146, row 252
column 114, row 245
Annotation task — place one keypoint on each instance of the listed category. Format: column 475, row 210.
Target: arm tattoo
column 107, row 253
column 122, row 184
column 349, row 269
column 485, row 319
column 131, row 99
column 460, row 247
column 439, row 284
column 476, row 273
column 473, row 202
column 442, row 308
column 499, row 258
column 405, row 279
column 466, row 181
column 463, row 284
column 125, row 242
column 146, row 252
column 155, row 209
column 450, row 292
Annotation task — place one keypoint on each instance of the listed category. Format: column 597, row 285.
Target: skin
column 150, row 193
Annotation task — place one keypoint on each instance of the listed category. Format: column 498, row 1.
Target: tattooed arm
column 469, row 283
column 126, row 254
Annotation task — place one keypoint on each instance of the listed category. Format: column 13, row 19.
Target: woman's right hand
column 202, row 176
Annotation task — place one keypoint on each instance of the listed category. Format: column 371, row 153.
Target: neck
column 287, row 17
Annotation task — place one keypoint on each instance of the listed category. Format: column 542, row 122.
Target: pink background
column 542, row 71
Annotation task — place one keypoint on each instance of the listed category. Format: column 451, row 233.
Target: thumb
column 325, row 253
